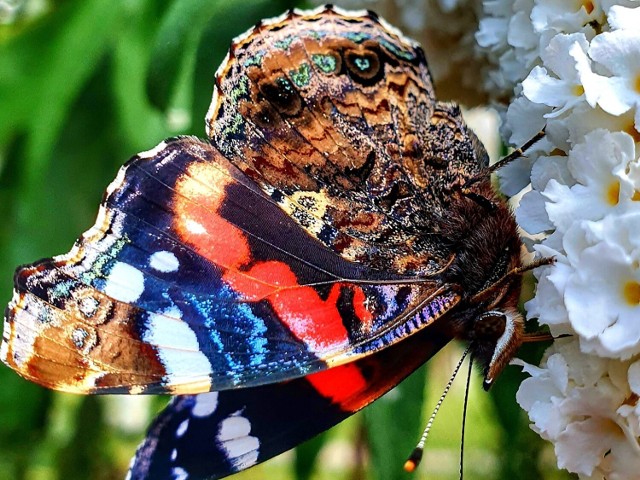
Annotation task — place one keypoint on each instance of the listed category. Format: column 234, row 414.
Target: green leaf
column 306, row 456
column 192, row 41
column 141, row 125
column 393, row 427
column 175, row 45
column 82, row 35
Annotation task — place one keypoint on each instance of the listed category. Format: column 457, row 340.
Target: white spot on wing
column 182, row 428
column 124, row 283
column 234, row 427
column 179, row 473
column 177, row 346
column 233, row 437
column 195, row 227
column 206, row 404
column 164, row 261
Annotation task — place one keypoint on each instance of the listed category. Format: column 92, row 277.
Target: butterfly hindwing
column 215, row 434
column 192, row 280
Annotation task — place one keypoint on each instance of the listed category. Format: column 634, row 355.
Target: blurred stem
column 61, row 425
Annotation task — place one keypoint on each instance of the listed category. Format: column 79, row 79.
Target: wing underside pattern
column 215, row 434
column 194, row 280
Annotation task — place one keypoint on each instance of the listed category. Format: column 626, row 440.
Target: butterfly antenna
column 416, row 455
column 517, row 153
column 464, row 415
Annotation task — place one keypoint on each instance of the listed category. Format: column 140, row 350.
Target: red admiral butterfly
column 337, row 230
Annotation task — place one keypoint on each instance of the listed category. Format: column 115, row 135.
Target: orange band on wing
column 311, row 319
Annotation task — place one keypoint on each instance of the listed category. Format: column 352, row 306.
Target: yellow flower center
column 578, row 90
column 631, row 400
column 637, row 83
column 613, row 193
column 631, row 293
column 589, row 7
column 636, row 196
column 630, row 128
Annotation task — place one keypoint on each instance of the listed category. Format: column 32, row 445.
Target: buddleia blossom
column 573, row 67
column 586, row 406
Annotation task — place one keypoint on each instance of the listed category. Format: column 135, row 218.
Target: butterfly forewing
column 194, row 280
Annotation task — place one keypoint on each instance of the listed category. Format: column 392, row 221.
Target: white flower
column 574, row 82
column 529, row 118
column 585, row 119
column 599, row 165
column 566, row 15
column 548, row 305
column 492, row 33
column 619, row 53
column 520, row 31
column 586, row 406
column 531, row 214
column 602, row 294
column 623, row 17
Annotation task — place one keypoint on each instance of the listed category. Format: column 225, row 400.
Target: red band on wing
column 311, row 319
column 201, row 193
column 339, row 385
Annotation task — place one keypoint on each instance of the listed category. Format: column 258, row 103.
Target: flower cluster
column 574, row 69
column 588, row 410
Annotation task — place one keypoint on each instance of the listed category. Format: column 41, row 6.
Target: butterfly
column 337, row 229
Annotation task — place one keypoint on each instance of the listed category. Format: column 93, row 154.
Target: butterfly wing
column 192, row 280
column 215, row 434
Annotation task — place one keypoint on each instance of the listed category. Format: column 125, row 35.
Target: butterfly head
column 496, row 328
column 497, row 335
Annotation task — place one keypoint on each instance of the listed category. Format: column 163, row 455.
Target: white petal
column 531, row 214
column 620, row 17
column 634, row 377
column 526, row 119
column 540, row 87
column 618, row 51
column 492, row 32
column 615, row 96
column 552, row 167
column 563, row 53
column 582, row 445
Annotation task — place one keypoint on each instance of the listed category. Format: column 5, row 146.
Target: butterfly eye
column 283, row 96
column 490, row 326
column 497, row 336
column 364, row 66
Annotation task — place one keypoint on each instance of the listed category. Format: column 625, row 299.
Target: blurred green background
column 84, row 85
